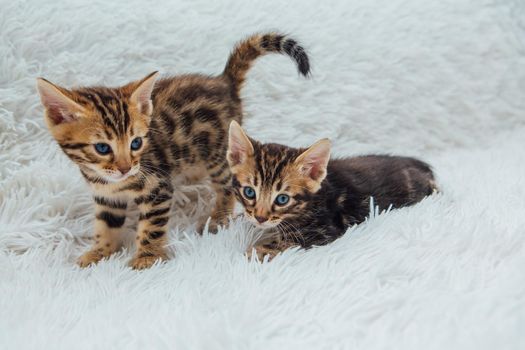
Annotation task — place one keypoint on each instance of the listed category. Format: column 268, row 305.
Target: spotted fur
column 182, row 123
column 326, row 197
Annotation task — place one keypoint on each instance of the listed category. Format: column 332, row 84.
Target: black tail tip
column 303, row 65
column 297, row 52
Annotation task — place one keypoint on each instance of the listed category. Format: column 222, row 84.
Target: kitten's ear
column 59, row 107
column 314, row 160
column 141, row 95
column 239, row 145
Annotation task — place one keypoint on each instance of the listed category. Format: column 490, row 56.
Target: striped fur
column 324, row 201
column 182, row 122
column 248, row 50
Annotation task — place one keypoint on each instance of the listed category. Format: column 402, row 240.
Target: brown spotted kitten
column 306, row 199
column 130, row 142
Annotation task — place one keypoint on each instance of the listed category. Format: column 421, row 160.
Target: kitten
column 307, row 199
column 130, row 141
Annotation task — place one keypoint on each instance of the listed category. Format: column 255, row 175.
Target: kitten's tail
column 248, row 50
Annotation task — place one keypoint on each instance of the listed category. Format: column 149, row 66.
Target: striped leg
column 225, row 199
column 110, row 217
column 153, row 225
column 223, row 206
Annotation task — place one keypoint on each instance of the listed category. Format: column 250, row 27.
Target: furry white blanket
column 441, row 80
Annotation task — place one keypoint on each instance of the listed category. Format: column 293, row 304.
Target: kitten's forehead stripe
column 278, row 169
column 104, row 111
column 108, row 134
column 111, row 107
column 271, row 161
column 259, row 163
column 125, row 114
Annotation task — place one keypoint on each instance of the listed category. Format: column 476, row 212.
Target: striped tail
column 248, row 50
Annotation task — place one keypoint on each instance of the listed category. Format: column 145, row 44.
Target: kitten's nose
column 260, row 219
column 124, row 169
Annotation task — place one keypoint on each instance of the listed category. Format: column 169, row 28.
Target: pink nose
column 124, row 169
column 261, row 219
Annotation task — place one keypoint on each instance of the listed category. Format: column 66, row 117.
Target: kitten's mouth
column 121, row 177
column 116, row 178
column 265, row 225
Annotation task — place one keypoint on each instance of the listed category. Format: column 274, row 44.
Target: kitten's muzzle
column 124, row 169
column 261, row 219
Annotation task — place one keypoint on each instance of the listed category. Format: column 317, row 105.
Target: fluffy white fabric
column 442, row 80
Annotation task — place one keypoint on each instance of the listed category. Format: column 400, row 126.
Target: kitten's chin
column 265, row 225
column 119, row 178
column 115, row 178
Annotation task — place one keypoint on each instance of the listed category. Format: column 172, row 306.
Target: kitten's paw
column 142, row 262
column 91, row 257
column 261, row 252
column 213, row 226
column 251, row 253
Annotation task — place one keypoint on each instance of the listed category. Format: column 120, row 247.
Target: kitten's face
column 103, row 130
column 274, row 182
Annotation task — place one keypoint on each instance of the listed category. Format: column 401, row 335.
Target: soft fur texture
column 301, row 197
column 443, row 81
column 136, row 142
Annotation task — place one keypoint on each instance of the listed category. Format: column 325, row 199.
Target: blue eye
column 136, row 143
column 102, row 148
column 282, row 199
column 249, row 192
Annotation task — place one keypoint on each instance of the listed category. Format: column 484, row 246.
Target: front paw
column 146, row 260
column 91, row 257
column 213, row 226
column 261, row 252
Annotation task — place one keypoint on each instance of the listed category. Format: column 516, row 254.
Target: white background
column 441, row 80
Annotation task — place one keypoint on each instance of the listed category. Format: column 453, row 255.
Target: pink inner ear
column 145, row 106
column 235, row 158
column 239, row 146
column 55, row 115
column 60, row 109
column 237, row 153
column 142, row 94
column 58, row 114
column 315, row 160
column 144, row 100
column 314, row 170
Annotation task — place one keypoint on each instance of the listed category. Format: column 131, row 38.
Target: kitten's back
column 391, row 180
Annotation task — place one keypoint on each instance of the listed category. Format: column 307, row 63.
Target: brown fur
column 183, row 123
column 325, row 196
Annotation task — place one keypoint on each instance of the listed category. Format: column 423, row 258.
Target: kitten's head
column 274, row 182
column 103, row 130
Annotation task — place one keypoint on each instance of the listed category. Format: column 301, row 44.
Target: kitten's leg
column 271, row 249
column 154, row 206
column 261, row 251
column 223, row 207
column 110, row 217
column 225, row 199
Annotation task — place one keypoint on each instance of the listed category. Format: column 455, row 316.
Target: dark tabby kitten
column 310, row 200
column 131, row 141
